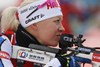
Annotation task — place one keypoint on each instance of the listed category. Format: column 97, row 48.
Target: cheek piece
column 38, row 11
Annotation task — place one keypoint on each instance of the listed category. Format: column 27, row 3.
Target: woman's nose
column 61, row 28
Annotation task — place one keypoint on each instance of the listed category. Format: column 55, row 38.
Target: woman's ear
column 34, row 27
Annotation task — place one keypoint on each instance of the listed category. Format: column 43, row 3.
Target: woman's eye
column 57, row 21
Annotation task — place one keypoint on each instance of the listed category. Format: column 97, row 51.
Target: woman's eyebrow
column 60, row 18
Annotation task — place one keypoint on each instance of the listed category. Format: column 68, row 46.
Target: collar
column 24, row 38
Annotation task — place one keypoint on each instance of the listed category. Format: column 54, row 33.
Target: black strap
column 83, row 64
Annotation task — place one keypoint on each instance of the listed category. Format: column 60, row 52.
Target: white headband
column 41, row 14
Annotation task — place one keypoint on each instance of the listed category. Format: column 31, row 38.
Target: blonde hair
column 9, row 21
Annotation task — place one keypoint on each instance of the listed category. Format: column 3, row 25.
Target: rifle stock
column 35, row 53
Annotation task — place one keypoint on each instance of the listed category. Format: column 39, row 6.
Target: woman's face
column 49, row 31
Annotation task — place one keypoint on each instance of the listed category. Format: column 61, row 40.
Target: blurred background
column 79, row 17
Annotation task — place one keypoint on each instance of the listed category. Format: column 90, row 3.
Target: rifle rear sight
column 68, row 40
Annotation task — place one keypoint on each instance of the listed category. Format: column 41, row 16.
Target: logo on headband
column 53, row 3
column 34, row 18
column 49, row 3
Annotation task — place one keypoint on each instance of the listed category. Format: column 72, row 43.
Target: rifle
column 42, row 54
column 67, row 41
